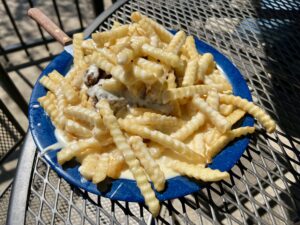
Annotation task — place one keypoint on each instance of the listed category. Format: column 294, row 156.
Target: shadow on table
column 279, row 30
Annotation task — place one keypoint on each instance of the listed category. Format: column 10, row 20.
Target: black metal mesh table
column 262, row 39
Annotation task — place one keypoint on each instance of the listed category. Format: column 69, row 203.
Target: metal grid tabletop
column 262, row 39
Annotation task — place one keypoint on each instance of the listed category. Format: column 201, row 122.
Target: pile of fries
column 178, row 107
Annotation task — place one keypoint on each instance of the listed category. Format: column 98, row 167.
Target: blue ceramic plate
column 123, row 189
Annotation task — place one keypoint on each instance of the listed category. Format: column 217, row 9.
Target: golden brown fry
column 197, row 171
column 116, row 164
column 74, row 148
column 163, row 139
column 190, row 73
column 214, row 116
column 189, row 128
column 151, row 167
column 252, row 109
column 101, row 37
column 138, row 173
column 176, row 42
column 223, row 140
column 184, row 92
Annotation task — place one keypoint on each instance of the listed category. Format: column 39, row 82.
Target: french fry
column 171, row 80
column 190, row 47
column 163, row 34
column 163, row 139
column 70, row 151
column 88, row 166
column 225, row 110
column 77, row 129
column 88, row 46
column 232, row 118
column 115, row 164
column 56, row 76
column 118, row 72
column 87, row 116
column 151, row 167
column 223, row 140
column 101, row 169
column 214, row 116
column 113, row 85
column 157, row 53
column 77, row 47
column 150, row 66
column 125, row 56
column 235, row 116
column 252, row 109
column 197, row 171
column 101, row 37
column 189, row 128
column 185, row 92
column 190, row 73
column 108, row 54
column 71, row 95
column 198, row 144
column 49, row 84
column 61, row 104
column 204, row 65
column 176, row 42
column 213, row 99
column 111, row 123
column 155, row 150
column 150, row 118
column 48, row 102
column 143, row 75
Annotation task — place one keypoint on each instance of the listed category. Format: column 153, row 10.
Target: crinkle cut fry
column 61, row 104
column 224, row 139
column 163, row 139
column 102, row 37
column 77, row 129
column 198, row 172
column 111, row 123
column 205, row 64
column 190, row 47
column 163, row 34
column 150, row 118
column 184, row 92
column 168, row 58
column 190, row 73
column 252, row 109
column 190, row 127
column 150, row 66
column 48, row 102
column 49, row 84
column 214, row 116
column 151, row 167
column 225, row 110
column 232, row 118
column 213, row 99
column 88, row 116
column 75, row 148
column 78, row 51
column 117, row 71
column 176, row 42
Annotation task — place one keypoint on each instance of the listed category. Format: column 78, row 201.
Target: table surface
column 262, row 39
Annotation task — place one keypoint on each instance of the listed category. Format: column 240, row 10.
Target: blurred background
column 25, row 50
